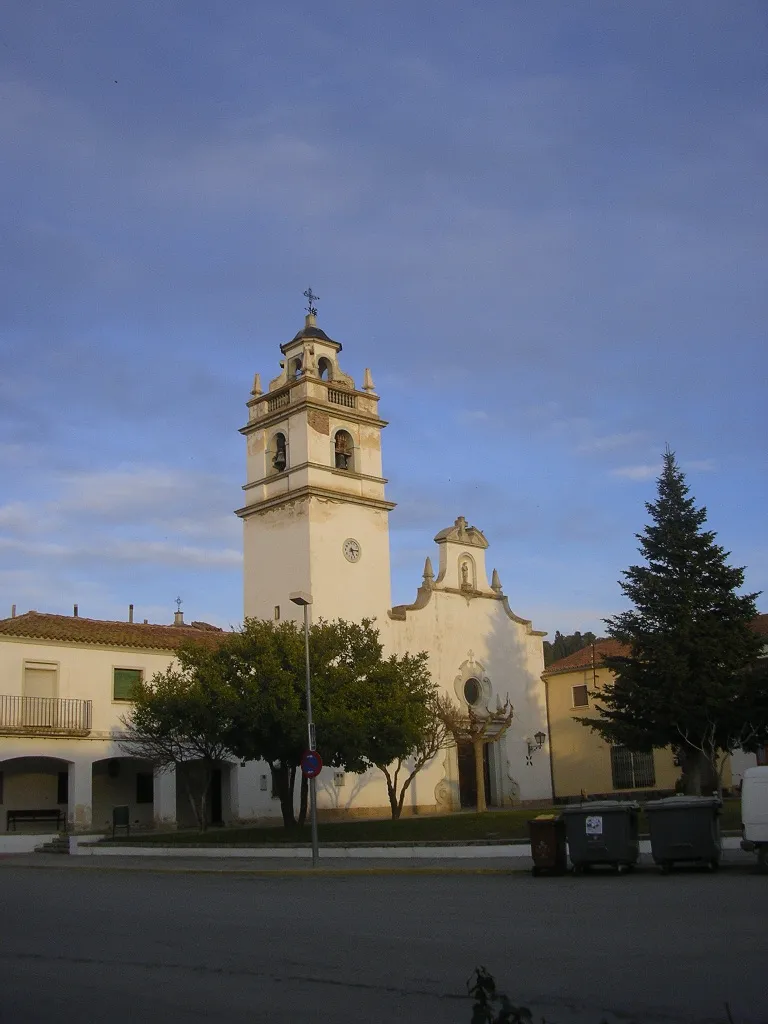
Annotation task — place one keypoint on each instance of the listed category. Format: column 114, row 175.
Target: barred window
column 631, row 769
column 580, row 696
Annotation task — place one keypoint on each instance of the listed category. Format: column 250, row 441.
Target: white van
column 754, row 814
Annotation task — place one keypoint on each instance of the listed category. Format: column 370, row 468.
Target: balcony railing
column 278, row 401
column 342, row 398
column 44, row 715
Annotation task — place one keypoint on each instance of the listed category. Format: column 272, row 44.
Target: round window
column 472, row 691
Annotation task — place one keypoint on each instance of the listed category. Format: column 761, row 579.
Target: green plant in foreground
column 493, row 1007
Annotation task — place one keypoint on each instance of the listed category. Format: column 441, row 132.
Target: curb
column 506, row 851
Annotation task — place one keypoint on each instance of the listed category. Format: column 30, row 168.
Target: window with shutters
column 123, row 682
column 40, row 679
column 580, row 696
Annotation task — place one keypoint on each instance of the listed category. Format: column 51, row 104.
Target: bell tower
column 315, row 517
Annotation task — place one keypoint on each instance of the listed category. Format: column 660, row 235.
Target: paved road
column 119, row 946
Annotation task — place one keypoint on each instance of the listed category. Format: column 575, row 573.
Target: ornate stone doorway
column 468, row 776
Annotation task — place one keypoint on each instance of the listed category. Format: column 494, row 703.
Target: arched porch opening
column 196, row 790
column 123, row 782
column 34, row 783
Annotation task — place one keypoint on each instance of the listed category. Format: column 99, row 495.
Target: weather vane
column 311, row 300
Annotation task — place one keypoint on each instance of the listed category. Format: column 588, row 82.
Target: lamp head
column 301, row 598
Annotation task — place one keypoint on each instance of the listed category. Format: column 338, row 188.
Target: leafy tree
column 563, row 645
column 685, row 682
column 366, row 708
column 179, row 717
column 400, row 728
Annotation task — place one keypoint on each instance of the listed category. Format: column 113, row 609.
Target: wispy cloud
column 649, row 471
column 147, row 552
column 641, row 472
column 611, row 442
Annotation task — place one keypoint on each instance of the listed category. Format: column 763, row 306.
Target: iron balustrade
column 45, row 713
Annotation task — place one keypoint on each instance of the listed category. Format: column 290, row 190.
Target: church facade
column 316, row 520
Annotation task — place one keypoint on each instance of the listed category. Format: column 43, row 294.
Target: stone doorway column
column 164, row 798
column 80, row 797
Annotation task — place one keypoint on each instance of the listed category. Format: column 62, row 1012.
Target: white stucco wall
column 83, row 672
column 475, row 637
column 31, row 763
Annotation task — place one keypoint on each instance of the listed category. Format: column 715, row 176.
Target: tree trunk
column 196, row 803
column 693, row 771
column 303, row 799
column 283, row 783
column 480, row 775
column 391, row 792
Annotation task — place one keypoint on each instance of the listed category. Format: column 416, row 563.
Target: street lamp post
column 304, row 601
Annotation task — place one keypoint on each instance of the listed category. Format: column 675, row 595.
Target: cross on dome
column 311, row 298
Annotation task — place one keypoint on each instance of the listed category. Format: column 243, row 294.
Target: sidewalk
column 287, row 866
column 246, row 864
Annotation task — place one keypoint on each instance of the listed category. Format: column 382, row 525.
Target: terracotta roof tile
column 75, row 629
column 583, row 658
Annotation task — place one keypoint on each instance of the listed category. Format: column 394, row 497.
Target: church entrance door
column 468, row 777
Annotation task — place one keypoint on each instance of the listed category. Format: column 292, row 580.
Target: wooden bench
column 46, row 814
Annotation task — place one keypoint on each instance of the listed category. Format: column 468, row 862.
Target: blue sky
column 543, row 227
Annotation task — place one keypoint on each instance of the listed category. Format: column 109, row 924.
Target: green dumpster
column 547, row 832
column 685, row 829
column 603, row 832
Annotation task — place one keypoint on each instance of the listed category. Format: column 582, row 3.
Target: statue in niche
column 464, row 574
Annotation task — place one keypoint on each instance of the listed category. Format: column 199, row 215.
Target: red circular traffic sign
column 311, row 764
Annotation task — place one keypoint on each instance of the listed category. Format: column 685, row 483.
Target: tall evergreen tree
column 685, row 682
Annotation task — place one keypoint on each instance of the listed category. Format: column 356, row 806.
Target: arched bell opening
column 279, row 453
column 343, row 450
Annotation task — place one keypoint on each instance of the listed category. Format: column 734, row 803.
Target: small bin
column 603, row 832
column 685, row 829
column 547, row 832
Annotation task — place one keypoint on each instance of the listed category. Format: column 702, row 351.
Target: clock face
column 351, row 549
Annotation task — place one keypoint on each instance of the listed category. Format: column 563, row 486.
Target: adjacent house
column 582, row 762
column 65, row 683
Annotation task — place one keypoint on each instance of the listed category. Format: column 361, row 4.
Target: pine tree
column 686, row 681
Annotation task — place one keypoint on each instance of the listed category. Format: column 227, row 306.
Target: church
column 315, row 519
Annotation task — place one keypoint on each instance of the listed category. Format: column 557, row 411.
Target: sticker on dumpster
column 594, row 824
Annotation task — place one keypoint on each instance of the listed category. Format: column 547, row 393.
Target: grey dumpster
column 685, row 829
column 602, row 832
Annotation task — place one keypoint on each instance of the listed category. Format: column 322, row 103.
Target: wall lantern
column 537, row 743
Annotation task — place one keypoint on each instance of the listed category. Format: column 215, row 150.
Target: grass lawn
column 508, row 824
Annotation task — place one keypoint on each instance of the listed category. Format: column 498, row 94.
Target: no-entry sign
column 311, row 764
